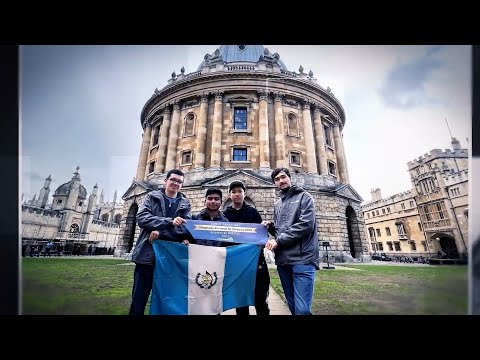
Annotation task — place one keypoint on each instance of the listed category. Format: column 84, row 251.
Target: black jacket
column 246, row 214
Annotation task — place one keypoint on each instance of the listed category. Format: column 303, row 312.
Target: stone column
column 201, row 133
column 142, row 162
column 320, row 142
column 162, row 143
column 215, row 159
column 341, row 166
column 171, row 162
column 309, row 142
column 347, row 178
column 263, row 139
column 279, row 132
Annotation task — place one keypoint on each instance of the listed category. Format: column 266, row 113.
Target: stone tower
column 44, row 192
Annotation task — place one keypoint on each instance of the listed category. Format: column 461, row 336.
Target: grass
column 388, row 290
column 103, row 287
column 77, row 286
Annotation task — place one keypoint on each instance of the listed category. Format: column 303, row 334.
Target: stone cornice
column 336, row 107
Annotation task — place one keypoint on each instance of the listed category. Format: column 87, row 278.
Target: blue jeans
column 298, row 282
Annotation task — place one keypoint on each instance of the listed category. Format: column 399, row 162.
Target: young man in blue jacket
column 164, row 211
column 295, row 243
column 240, row 211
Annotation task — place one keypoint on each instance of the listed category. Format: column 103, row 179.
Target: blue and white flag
column 202, row 280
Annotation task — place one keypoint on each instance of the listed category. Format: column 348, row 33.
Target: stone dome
column 242, row 53
column 64, row 189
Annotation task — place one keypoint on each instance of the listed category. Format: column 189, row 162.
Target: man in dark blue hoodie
column 240, row 211
column 164, row 212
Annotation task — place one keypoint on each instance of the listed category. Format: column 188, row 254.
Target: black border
column 9, row 219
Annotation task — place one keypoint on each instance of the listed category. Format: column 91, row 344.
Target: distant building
column 71, row 219
column 430, row 218
column 238, row 117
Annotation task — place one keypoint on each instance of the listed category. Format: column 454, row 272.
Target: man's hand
column 271, row 244
column 178, row 221
column 266, row 223
column 153, row 236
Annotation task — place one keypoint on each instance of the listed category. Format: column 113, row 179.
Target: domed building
column 238, row 117
column 71, row 219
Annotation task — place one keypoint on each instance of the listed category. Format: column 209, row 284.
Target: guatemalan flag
column 202, row 280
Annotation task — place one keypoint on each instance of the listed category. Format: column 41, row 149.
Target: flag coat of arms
column 202, row 280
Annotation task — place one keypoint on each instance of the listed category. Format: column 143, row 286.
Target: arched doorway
column 129, row 234
column 448, row 246
column 351, row 217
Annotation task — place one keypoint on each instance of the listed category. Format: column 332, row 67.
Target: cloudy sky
column 80, row 105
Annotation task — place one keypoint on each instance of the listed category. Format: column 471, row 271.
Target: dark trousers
column 142, row 286
column 262, row 286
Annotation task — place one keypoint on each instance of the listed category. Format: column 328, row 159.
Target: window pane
column 239, row 154
column 240, row 118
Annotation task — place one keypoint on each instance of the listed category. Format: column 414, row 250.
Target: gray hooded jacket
column 295, row 228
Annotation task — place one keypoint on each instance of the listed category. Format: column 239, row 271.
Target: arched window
column 189, row 125
column 105, row 217
column 117, row 219
column 292, row 124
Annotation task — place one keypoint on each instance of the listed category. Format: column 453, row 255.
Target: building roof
column 241, row 53
column 64, row 189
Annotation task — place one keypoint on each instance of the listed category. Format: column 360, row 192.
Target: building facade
column 238, row 117
column 429, row 219
column 70, row 219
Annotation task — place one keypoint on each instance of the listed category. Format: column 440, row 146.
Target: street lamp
column 326, row 245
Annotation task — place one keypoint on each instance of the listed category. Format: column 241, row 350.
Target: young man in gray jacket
column 164, row 211
column 295, row 243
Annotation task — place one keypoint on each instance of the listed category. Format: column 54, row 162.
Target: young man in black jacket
column 240, row 211
column 162, row 214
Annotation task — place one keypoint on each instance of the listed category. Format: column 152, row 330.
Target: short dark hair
column 278, row 171
column 214, row 191
column 176, row 172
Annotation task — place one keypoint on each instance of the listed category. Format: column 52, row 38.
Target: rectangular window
column 397, row 246
column 383, row 211
column 378, row 232
column 156, row 132
column 420, row 227
column 388, row 210
column 294, row 158
column 331, row 168
column 390, row 246
column 413, row 246
column 411, row 204
column 387, row 230
column 403, row 206
column 239, row 154
column 186, row 157
column 240, row 118
column 327, row 133
column 151, row 167
column 380, row 246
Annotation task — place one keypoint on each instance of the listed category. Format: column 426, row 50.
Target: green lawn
column 377, row 289
column 103, row 286
column 77, row 286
